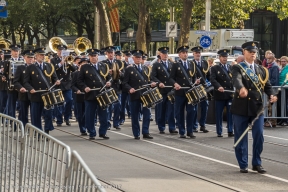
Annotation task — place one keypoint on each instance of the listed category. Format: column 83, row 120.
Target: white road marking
column 201, row 156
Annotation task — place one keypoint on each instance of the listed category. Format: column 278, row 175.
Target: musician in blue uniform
column 183, row 74
column 3, row 82
column 12, row 93
column 221, row 79
column 250, row 81
column 38, row 77
column 63, row 71
column 125, row 98
column 202, row 71
column 79, row 98
column 117, row 77
column 160, row 73
column 92, row 76
column 23, row 99
column 135, row 76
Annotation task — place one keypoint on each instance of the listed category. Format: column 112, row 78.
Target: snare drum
column 107, row 98
column 171, row 96
column 196, row 94
column 151, row 97
column 52, row 98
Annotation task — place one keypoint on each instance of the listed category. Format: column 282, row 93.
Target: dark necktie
column 41, row 67
column 139, row 69
column 224, row 67
column 251, row 66
column 165, row 64
column 185, row 65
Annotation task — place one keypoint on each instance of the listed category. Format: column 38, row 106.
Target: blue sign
column 118, row 48
column 205, row 41
column 3, row 9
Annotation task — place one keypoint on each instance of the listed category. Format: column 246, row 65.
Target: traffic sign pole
column 171, row 39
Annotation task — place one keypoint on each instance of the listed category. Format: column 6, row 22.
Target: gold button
column 39, row 88
column 164, row 76
column 224, row 81
column 139, row 80
column 183, row 77
column 165, row 82
column 238, row 97
column 90, row 74
column 249, row 89
column 39, row 82
column 94, row 81
column 94, row 87
column 249, row 98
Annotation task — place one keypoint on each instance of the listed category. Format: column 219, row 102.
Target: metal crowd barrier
column 81, row 177
column 273, row 113
column 32, row 160
column 11, row 141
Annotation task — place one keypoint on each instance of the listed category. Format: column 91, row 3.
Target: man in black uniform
column 23, row 100
column 183, row 74
column 116, row 85
column 79, row 98
column 160, row 73
column 38, row 77
column 91, row 76
column 250, row 81
column 3, row 83
column 63, row 70
column 202, row 70
column 135, row 76
column 125, row 98
column 221, row 79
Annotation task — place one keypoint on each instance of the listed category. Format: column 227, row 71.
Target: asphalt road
column 168, row 163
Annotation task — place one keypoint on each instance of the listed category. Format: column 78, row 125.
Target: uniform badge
column 32, row 72
column 86, row 71
column 252, row 74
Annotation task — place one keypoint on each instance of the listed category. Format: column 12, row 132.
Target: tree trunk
column 148, row 34
column 105, row 24
column 142, row 22
column 185, row 22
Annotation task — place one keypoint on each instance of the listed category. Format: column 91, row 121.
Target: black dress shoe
column 137, row 138
column 195, row 130
column 245, row 170
column 162, row 132
column 47, row 132
column 259, row 169
column 122, row 122
column 84, row 133
column 59, row 125
column 182, row 136
column 191, row 135
column 117, row 127
column 230, row 134
column 204, row 129
column 151, row 119
column 91, row 138
column 173, row 132
column 219, row 135
column 104, row 136
column 68, row 123
column 147, row 136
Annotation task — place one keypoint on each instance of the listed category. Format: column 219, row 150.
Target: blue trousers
column 125, row 104
column 67, row 108
column 241, row 150
column 23, row 112
column 117, row 109
column 3, row 100
column 80, row 110
column 90, row 114
column 219, row 107
column 74, row 107
column 135, row 112
column 36, row 111
column 163, row 108
column 11, row 104
column 180, row 103
column 204, row 108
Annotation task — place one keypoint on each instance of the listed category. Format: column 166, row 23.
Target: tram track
column 151, row 161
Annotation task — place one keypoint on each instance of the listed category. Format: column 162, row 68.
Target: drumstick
column 148, row 84
column 54, row 85
column 96, row 89
column 105, row 85
column 79, row 93
column 141, row 89
column 231, row 91
column 174, row 88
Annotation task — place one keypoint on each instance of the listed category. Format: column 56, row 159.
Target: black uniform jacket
column 219, row 77
column 89, row 77
column 202, row 71
column 116, row 84
column 177, row 76
column 126, row 64
column 161, row 75
column 34, row 80
column 63, row 72
column 252, row 104
column 3, row 84
column 134, row 79
column 75, row 87
column 19, row 82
